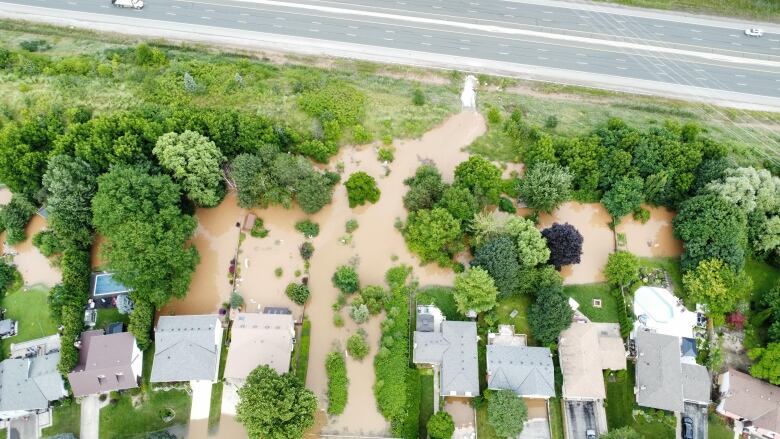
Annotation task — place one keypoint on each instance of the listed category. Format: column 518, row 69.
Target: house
column 754, row 402
column 585, row 350
column 663, row 380
column 187, row 348
column 449, row 347
column 511, row 365
column 259, row 339
column 29, row 385
column 107, row 362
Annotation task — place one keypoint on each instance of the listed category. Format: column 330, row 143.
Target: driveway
column 201, row 399
column 462, row 415
column 698, row 413
column 535, row 429
column 24, row 428
column 580, row 417
column 90, row 417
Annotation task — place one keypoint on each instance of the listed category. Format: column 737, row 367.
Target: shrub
column 35, row 45
column 625, row 324
column 308, row 228
column 551, row 122
column 361, row 135
column 351, row 225
column 141, row 321
column 346, row 279
column 146, row 55
column 47, row 243
column 359, row 313
column 418, row 97
column 298, row 293
column 336, row 105
column 338, row 320
column 357, row 346
column 318, row 150
column 278, row 272
column 361, row 188
column 258, row 229
column 374, row 297
column 642, row 215
column 386, row 154
column 14, row 217
column 236, row 301
column 622, row 268
column 336, row 369
column 306, row 250
column 441, row 425
column 506, row 205
column 494, row 115
column 8, row 276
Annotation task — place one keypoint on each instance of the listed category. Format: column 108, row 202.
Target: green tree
column 357, row 346
column 425, row 189
column 374, row 297
column 70, row 185
column 534, row 279
column 766, row 363
column 273, row 406
column 711, row 227
column 298, row 293
column 361, row 187
column 336, row 369
column 541, row 151
column 246, row 170
column 459, row 202
column 549, row 315
column 434, row 235
column 14, row 217
column 565, row 243
column 499, row 258
column 194, row 161
column 8, row 275
column 624, row 197
column 440, row 425
column 480, row 177
column 531, row 246
column 545, row 186
column 475, row 291
column 148, row 237
column 24, row 148
column 141, row 321
column 622, row 268
column 346, row 279
column 718, row 287
column 507, row 413
column 47, row 243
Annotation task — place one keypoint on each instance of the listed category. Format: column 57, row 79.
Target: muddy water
column 592, row 221
column 654, row 238
column 35, row 268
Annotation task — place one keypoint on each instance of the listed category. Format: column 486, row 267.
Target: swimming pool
column 105, row 285
column 654, row 303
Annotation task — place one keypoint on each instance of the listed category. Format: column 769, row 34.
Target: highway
column 679, row 56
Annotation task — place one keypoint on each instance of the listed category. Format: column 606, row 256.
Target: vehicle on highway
column 590, row 434
column 754, row 32
column 687, row 428
column 135, row 4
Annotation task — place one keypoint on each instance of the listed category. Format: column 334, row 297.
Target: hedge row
column 338, row 383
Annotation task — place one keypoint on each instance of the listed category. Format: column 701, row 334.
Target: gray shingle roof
column 186, row 348
column 696, row 383
column 454, row 350
column 658, row 371
column 528, row 371
column 29, row 384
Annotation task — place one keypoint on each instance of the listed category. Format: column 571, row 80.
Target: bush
column 494, row 115
column 346, row 279
column 278, row 272
column 386, row 154
column 236, row 301
column 8, row 276
column 318, row 150
column 47, row 243
column 14, row 217
column 336, row 369
column 625, row 323
column 642, row 215
column 441, row 425
column 357, row 346
column 361, row 135
column 146, row 55
column 622, row 268
column 336, row 105
column 359, row 313
column 361, row 188
column 351, row 225
column 338, row 320
column 35, row 45
column 298, row 293
column 306, row 250
column 141, row 321
column 418, row 97
column 258, row 229
column 374, row 297
column 308, row 228
column 551, row 122
column 506, row 205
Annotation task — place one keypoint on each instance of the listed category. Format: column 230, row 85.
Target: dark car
column 687, row 428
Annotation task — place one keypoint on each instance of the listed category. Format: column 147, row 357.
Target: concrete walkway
column 90, row 417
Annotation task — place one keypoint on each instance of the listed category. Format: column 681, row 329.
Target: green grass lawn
column 620, row 397
column 484, row 429
column 426, row 399
column 110, row 315
column 556, row 418
column 121, row 420
column 31, row 309
column 584, row 295
column 146, row 372
column 520, row 321
column 301, row 354
column 765, row 10
column 764, row 276
column 67, row 419
column 718, row 428
column 442, row 298
column 671, row 265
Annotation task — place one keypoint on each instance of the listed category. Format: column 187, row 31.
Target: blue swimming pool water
column 106, row 285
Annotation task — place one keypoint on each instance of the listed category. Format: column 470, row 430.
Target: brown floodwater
column 5, row 195
column 35, row 268
column 655, row 238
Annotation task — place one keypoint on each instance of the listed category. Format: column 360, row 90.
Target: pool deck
column 675, row 320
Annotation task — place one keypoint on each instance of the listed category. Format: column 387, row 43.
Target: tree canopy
column 361, row 188
column 440, row 425
column 481, row 178
column 624, row 197
column 194, row 161
column 549, row 314
column 70, row 184
column 147, row 244
column 425, row 188
column 718, row 287
column 545, row 186
column 565, row 244
column 531, row 247
column 499, row 258
column 622, row 268
column 434, row 235
column 273, row 406
column 475, row 291
column 766, row 363
column 507, row 413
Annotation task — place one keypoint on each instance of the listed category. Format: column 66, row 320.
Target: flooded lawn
column 654, row 238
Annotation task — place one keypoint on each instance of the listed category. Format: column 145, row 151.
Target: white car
column 754, row 32
column 135, row 4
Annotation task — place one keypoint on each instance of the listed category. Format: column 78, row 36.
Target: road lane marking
column 351, row 35
column 503, row 53
column 425, row 44
column 542, row 58
column 621, row 68
column 582, row 63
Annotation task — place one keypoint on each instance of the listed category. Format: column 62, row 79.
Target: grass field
column 110, row 315
column 121, row 420
column 442, row 298
column 764, row 10
column 764, row 276
column 67, row 419
column 31, row 309
column 584, row 295
column 620, row 406
column 520, row 321
column 426, row 399
column 718, row 429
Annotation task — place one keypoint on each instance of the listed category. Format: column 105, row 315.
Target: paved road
column 404, row 26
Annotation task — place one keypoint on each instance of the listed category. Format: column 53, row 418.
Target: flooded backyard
column 653, row 239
